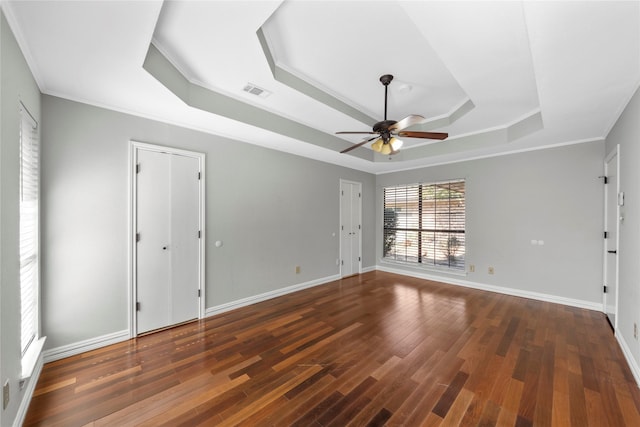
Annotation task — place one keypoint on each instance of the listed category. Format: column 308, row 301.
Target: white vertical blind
column 29, row 201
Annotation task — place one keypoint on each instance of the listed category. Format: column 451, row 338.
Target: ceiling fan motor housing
column 384, row 125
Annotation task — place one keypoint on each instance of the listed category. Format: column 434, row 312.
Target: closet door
column 350, row 227
column 167, row 227
column 612, row 215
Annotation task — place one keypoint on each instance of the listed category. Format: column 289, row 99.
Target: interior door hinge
column 342, row 192
column 359, row 259
column 137, row 306
column 604, row 179
column 199, row 293
column 199, row 234
column 199, row 175
column 359, row 195
column 138, row 168
column 137, row 237
column 358, row 226
column 604, row 289
column 606, row 234
column 342, row 262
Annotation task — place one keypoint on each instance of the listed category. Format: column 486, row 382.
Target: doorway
column 167, row 223
column 612, row 227
column 350, row 228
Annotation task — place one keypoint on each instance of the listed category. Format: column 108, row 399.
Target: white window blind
column 425, row 224
column 29, row 201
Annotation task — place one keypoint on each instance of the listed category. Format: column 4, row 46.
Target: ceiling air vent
column 255, row 90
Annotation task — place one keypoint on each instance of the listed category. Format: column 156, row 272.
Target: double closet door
column 612, row 221
column 168, row 235
column 350, row 227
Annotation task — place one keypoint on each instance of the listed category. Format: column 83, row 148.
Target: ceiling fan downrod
column 385, row 80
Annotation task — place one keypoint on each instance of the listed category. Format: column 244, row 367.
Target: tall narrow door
column 611, row 241
column 350, row 227
column 167, row 227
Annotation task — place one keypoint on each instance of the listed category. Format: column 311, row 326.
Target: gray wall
column 626, row 132
column 16, row 84
column 552, row 195
column 275, row 211
column 272, row 210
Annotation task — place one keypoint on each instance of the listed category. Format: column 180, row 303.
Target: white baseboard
column 589, row 305
column 86, row 345
column 633, row 365
column 266, row 296
column 116, row 337
column 28, row 393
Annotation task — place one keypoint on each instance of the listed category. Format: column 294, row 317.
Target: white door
column 167, row 222
column 350, row 227
column 611, row 241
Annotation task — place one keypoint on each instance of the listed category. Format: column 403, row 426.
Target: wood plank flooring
column 370, row 350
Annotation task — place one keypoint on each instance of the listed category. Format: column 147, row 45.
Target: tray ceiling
column 499, row 77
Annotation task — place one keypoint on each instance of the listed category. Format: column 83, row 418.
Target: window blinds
column 29, row 201
column 425, row 224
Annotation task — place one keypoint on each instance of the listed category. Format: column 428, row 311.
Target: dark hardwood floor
column 375, row 349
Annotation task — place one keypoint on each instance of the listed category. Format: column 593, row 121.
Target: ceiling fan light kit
column 386, row 143
column 389, row 147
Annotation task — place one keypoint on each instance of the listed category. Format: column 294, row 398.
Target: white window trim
column 33, row 350
column 30, row 358
column 418, row 265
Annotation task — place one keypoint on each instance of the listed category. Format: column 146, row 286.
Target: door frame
column 614, row 153
column 359, row 184
column 134, row 147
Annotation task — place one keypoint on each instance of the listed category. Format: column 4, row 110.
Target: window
column 424, row 224
column 29, row 240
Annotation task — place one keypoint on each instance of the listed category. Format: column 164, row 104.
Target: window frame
column 29, row 241
column 422, row 222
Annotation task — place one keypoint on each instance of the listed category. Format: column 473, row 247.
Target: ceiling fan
column 387, row 130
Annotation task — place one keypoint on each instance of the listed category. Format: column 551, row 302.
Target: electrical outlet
column 5, row 395
column 297, row 269
column 472, row 268
column 491, row 271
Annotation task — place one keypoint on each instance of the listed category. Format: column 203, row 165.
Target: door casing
column 134, row 147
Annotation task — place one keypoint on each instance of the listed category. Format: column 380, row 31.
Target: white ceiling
column 497, row 76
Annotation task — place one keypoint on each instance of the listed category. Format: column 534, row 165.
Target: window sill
column 461, row 273
column 30, row 358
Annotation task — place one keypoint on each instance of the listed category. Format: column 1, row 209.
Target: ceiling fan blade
column 359, row 144
column 355, row 132
column 411, row 120
column 425, row 135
